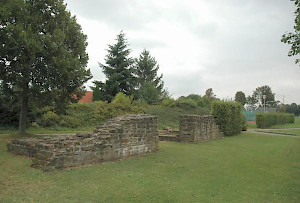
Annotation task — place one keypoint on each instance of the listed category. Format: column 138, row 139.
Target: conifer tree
column 118, row 70
column 146, row 69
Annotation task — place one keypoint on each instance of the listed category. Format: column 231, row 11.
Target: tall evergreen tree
column 43, row 52
column 118, row 70
column 146, row 69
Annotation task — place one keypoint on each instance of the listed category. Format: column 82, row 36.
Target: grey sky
column 227, row 45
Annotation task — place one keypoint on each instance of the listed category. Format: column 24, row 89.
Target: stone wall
column 118, row 138
column 195, row 128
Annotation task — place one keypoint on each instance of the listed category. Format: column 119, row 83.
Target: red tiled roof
column 87, row 98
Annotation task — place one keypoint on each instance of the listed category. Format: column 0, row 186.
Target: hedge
column 228, row 116
column 265, row 120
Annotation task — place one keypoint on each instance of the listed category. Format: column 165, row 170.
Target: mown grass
column 244, row 168
column 251, row 125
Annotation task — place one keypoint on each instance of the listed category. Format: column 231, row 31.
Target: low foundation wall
column 118, row 138
column 194, row 128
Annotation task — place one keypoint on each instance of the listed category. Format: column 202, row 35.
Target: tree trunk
column 24, row 110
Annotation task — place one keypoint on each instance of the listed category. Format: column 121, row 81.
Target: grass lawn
column 244, row 168
column 251, row 125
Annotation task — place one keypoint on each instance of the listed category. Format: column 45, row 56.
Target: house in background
column 87, row 97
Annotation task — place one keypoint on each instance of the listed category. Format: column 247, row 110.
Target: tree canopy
column 210, row 94
column 43, row 52
column 240, row 97
column 118, row 70
column 293, row 38
column 146, row 70
column 258, row 96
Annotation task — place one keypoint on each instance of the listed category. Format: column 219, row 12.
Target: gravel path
column 268, row 132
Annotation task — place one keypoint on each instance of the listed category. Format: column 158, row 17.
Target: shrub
column 228, row 116
column 281, row 118
column 149, row 93
column 186, row 103
column 70, row 122
column 260, row 120
column 117, row 109
column 169, row 102
column 121, row 98
column 50, row 119
column 290, row 118
column 265, row 120
column 244, row 123
column 82, row 111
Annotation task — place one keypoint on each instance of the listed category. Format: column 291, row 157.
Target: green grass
column 251, row 125
column 245, row 168
column 169, row 116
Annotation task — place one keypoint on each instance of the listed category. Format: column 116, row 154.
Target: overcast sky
column 230, row 46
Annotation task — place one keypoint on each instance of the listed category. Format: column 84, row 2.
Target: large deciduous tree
column 293, row 38
column 43, row 52
column 209, row 93
column 240, row 97
column 258, row 96
column 118, row 69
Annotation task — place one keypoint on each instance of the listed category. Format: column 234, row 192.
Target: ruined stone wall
column 118, row 138
column 195, row 128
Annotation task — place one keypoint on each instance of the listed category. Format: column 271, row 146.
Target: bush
column 290, row 118
column 169, row 102
column 50, row 119
column 149, row 93
column 260, row 120
column 82, row 111
column 265, row 120
column 186, row 103
column 70, row 122
column 228, row 116
column 121, row 98
column 244, row 123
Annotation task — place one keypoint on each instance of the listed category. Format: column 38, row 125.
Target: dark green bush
column 228, row 116
column 70, row 122
column 265, row 120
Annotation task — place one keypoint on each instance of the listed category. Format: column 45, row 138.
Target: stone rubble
column 118, row 138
